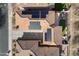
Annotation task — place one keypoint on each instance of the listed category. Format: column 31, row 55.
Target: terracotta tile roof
column 58, row 35
column 38, row 50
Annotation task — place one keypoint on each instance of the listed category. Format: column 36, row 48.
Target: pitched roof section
column 51, row 17
column 58, row 35
column 33, row 45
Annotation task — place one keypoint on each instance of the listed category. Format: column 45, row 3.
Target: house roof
column 58, row 35
column 38, row 50
column 33, row 36
column 33, row 44
column 35, row 4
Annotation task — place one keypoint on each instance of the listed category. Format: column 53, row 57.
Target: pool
column 35, row 26
column 48, row 35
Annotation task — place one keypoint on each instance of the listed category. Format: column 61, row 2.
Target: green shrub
column 62, row 23
column 59, row 6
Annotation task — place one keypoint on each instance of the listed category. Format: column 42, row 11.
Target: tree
column 61, row 6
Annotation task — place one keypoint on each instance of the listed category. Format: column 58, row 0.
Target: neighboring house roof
column 38, row 50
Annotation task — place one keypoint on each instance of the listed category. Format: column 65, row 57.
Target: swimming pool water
column 35, row 26
column 48, row 35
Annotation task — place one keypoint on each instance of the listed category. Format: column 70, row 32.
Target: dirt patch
column 76, row 25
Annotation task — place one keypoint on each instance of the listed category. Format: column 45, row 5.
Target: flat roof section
column 32, row 36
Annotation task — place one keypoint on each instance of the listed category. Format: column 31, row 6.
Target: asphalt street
column 4, row 34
